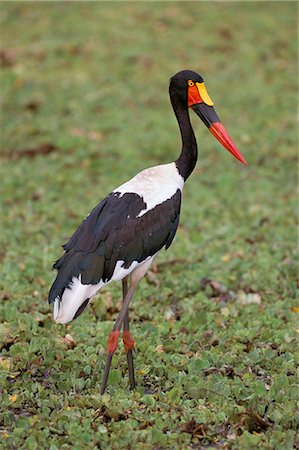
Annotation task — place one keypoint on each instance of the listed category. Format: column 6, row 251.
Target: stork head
column 189, row 89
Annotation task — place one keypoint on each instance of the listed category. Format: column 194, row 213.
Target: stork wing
column 115, row 231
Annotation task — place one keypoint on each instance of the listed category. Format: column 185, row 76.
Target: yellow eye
column 190, row 83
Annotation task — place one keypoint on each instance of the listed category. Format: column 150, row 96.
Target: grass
column 84, row 107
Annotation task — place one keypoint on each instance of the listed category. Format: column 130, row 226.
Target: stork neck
column 188, row 157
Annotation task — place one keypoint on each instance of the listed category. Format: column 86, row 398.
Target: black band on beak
column 206, row 113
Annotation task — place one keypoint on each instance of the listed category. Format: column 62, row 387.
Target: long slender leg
column 113, row 337
column 136, row 276
column 127, row 339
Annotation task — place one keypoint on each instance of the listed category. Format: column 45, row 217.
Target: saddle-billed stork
column 122, row 235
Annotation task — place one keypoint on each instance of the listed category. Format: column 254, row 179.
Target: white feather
column 156, row 185
column 76, row 294
column 72, row 298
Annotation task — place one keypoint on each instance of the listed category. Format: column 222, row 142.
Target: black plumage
column 113, row 232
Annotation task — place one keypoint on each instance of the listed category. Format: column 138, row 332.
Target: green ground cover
column 84, row 107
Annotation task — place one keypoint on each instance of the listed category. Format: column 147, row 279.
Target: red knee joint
column 112, row 341
column 128, row 341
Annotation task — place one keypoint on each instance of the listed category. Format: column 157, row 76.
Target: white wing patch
column 155, row 185
column 72, row 298
column 76, row 294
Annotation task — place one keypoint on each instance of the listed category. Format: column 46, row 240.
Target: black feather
column 112, row 232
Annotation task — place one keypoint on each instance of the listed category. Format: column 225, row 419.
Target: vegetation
column 84, row 107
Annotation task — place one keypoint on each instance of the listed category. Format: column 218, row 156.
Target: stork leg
column 113, row 337
column 127, row 339
column 123, row 316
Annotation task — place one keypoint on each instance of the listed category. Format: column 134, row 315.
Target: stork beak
column 201, row 103
column 211, row 120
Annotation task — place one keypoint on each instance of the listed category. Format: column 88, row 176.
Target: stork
column 122, row 235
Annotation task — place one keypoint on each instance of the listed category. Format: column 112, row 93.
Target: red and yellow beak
column 201, row 103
